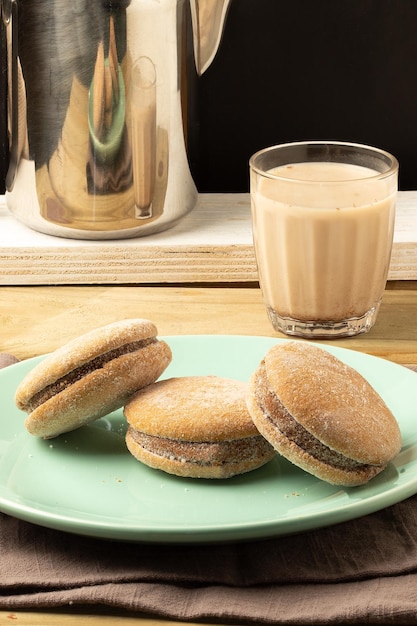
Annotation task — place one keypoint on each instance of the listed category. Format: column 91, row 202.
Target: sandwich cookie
column 322, row 415
column 196, row 426
column 91, row 376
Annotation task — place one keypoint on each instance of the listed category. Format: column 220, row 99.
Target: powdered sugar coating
column 333, row 402
column 192, row 408
column 79, row 351
column 132, row 358
column 195, row 426
column 299, row 401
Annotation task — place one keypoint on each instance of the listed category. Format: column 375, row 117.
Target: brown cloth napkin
column 360, row 571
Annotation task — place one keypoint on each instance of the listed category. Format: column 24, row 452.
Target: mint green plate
column 86, row 482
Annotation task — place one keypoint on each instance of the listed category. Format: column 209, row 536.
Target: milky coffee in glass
column 323, row 221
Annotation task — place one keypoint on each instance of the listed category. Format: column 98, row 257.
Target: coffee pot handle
column 9, row 11
column 208, row 19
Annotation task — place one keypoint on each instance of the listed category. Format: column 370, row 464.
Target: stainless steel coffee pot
column 99, row 94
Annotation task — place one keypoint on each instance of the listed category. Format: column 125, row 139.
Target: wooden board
column 38, row 319
column 213, row 243
column 52, row 618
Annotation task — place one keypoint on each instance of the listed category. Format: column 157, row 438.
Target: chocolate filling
column 204, row 453
column 78, row 373
column 283, row 421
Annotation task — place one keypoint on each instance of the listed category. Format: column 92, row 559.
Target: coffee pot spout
column 208, row 18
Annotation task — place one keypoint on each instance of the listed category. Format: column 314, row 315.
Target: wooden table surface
column 37, row 319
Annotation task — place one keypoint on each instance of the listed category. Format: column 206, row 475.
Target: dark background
column 302, row 69
column 309, row 69
column 3, row 108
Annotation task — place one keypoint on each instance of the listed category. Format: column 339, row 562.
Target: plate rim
column 248, row 530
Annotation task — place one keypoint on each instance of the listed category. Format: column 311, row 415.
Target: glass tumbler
column 323, row 222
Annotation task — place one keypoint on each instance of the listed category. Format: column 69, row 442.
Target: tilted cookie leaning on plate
column 91, row 376
column 322, row 415
column 301, row 402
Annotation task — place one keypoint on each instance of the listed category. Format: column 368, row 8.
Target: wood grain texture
column 36, row 320
column 213, row 243
column 32, row 618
